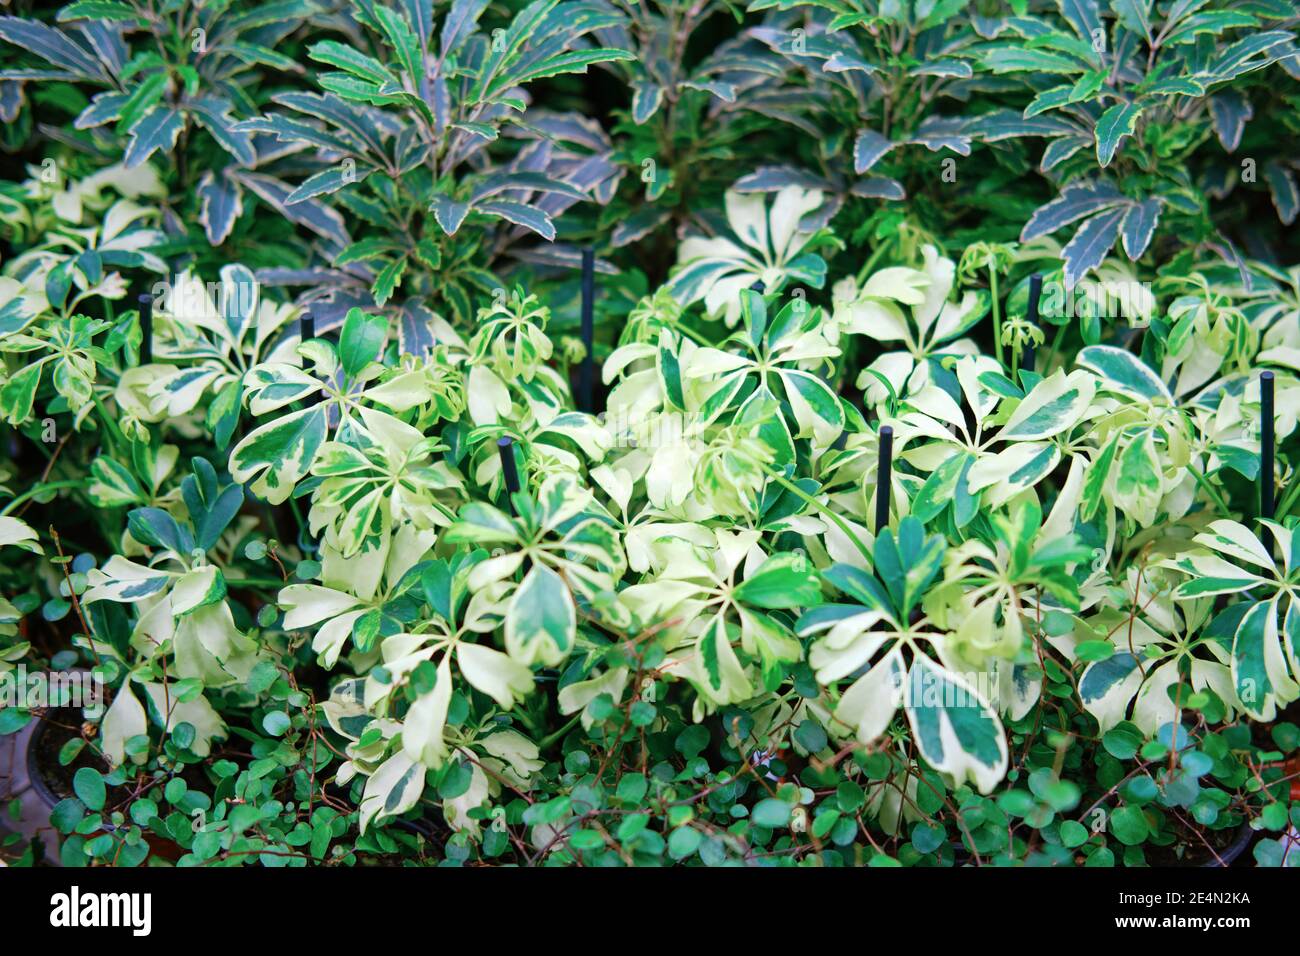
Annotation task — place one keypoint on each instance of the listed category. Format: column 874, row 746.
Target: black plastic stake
column 307, row 332
column 1267, row 443
column 1028, row 357
column 587, row 371
column 884, row 477
column 146, row 328
column 509, row 469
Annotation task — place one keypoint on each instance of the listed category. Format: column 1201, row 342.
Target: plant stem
column 39, row 489
column 254, row 583
column 552, row 738
column 871, row 261
column 691, row 334
column 821, row 509
column 1288, row 500
column 110, row 424
column 1056, row 344
column 1209, row 490
column 997, row 313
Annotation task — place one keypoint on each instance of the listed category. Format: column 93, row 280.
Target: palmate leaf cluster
column 285, row 533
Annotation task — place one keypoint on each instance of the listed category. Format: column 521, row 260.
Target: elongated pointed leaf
column 1118, row 122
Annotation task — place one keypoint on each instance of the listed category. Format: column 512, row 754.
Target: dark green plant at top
column 169, row 75
column 1125, row 101
column 411, row 143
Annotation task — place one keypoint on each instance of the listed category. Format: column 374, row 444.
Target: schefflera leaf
column 541, row 621
column 718, row 670
column 392, row 789
column 1266, row 641
column 276, row 456
column 422, row 739
column 1055, row 404
column 1259, row 666
column 1107, row 687
column 954, row 727
column 171, row 710
column 124, row 719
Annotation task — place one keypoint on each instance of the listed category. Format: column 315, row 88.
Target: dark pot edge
column 1233, row 849
column 35, row 772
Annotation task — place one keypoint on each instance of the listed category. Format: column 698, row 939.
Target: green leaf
column 1013, row 59
column 521, row 214
column 88, row 784
column 1054, row 404
column 100, row 10
column 1125, row 373
column 1135, row 15
column 19, row 393
column 67, row 813
column 771, row 813
column 360, row 341
column 1138, row 483
column 364, row 250
column 183, row 735
column 352, row 61
column 810, row 736
column 277, row 455
column 782, row 581
column 157, row 129
column 1129, row 825
column 276, row 723
column 541, row 620
column 571, row 61
column 940, row 487
column 1114, row 125
column 392, row 789
column 683, row 842
column 1094, row 483
column 389, row 278
column 325, row 182
column 1259, row 670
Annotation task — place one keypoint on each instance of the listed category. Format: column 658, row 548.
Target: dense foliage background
column 330, row 634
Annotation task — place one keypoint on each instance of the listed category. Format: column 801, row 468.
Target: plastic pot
column 1233, row 849
column 48, row 796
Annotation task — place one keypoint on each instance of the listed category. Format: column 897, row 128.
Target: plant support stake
column 307, row 332
column 586, row 372
column 509, row 470
column 1267, row 438
column 884, row 477
column 1028, row 357
column 146, row 328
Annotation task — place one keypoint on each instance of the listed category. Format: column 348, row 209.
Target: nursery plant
column 936, row 504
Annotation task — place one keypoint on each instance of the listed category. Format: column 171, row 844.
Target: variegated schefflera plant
column 1071, row 570
column 719, row 507
column 401, row 182
column 1070, row 521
